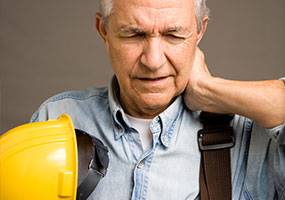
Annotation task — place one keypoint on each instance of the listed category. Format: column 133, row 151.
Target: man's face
column 152, row 45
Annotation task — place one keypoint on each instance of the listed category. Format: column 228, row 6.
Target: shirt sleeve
column 41, row 114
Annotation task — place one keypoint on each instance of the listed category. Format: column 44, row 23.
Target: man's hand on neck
column 262, row 101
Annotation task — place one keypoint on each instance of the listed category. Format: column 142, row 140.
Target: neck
column 132, row 109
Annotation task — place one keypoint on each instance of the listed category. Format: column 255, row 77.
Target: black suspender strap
column 215, row 140
column 98, row 165
column 89, row 184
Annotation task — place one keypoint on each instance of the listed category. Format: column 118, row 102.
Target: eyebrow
column 126, row 29
column 180, row 30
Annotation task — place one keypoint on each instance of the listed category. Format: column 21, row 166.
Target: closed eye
column 174, row 38
column 138, row 35
column 128, row 32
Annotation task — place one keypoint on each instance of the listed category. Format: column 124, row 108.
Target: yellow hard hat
column 39, row 161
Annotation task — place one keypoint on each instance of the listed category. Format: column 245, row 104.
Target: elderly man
column 149, row 115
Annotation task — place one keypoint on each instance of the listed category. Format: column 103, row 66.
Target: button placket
column 155, row 126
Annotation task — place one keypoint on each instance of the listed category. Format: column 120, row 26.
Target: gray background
column 50, row 46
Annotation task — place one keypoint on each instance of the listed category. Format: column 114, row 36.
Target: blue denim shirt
column 169, row 168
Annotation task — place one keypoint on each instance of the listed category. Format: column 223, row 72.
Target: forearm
column 262, row 101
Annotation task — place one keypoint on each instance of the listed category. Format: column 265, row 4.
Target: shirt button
column 140, row 165
column 120, row 130
column 165, row 139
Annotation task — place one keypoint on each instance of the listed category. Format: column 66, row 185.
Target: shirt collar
column 168, row 119
column 113, row 92
column 121, row 123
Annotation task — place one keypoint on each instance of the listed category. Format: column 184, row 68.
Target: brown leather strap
column 215, row 140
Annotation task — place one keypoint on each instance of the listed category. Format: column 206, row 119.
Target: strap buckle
column 100, row 171
column 219, row 146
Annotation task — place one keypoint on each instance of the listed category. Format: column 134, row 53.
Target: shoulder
column 71, row 101
column 79, row 95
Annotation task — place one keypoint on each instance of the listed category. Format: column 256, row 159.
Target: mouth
column 153, row 79
column 157, row 82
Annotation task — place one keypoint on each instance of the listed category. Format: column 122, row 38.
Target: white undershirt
column 142, row 126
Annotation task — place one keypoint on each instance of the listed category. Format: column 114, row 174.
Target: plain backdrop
column 48, row 47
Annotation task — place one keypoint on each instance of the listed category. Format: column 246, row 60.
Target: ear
column 204, row 28
column 101, row 29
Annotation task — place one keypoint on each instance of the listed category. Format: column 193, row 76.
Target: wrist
column 210, row 90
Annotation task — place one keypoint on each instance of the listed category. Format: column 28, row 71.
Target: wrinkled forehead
column 155, row 3
column 154, row 13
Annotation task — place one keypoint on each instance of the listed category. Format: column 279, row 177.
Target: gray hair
column 201, row 11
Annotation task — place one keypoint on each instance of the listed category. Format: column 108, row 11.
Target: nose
column 153, row 56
